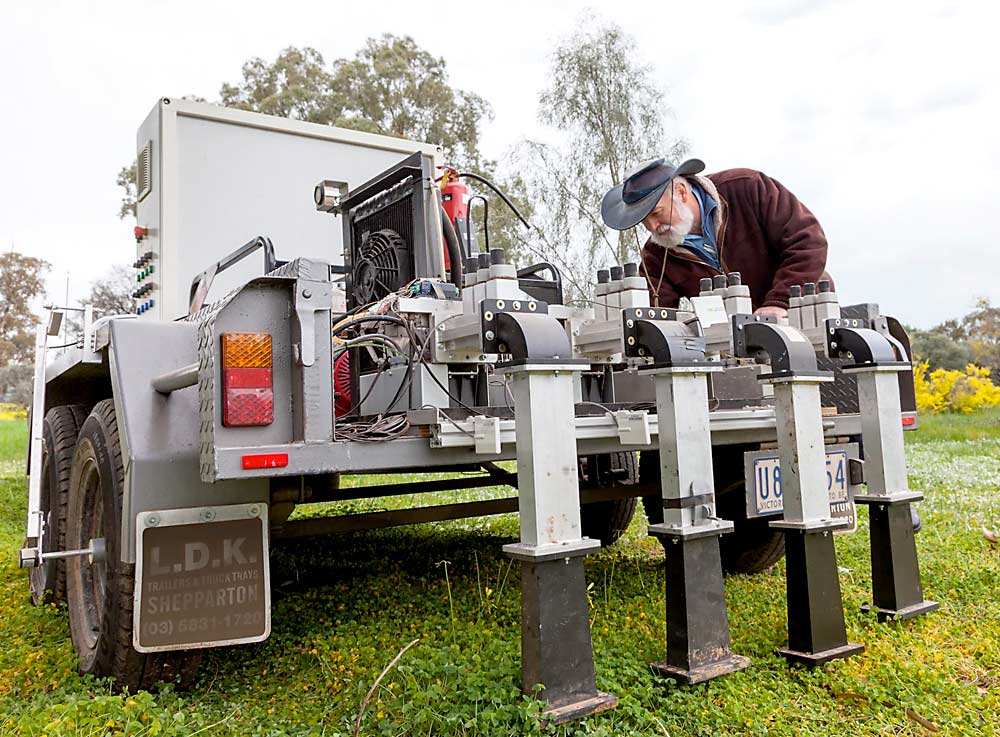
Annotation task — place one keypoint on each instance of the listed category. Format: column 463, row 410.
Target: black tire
column 649, row 473
column 607, row 521
column 99, row 593
column 59, row 431
column 752, row 546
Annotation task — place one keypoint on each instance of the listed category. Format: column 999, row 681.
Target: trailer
column 361, row 328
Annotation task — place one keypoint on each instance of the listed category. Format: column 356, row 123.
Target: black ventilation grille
column 377, row 265
column 381, row 257
column 144, row 172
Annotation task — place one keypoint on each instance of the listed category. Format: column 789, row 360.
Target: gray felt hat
column 627, row 204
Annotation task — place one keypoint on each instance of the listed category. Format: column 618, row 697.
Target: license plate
column 202, row 578
column 764, row 496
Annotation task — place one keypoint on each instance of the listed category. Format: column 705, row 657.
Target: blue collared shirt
column 704, row 245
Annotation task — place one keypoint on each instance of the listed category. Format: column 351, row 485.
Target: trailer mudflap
column 202, row 578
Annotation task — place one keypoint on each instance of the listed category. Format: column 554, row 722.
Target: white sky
column 881, row 116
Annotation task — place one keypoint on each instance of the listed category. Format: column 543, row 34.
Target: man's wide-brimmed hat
column 627, row 204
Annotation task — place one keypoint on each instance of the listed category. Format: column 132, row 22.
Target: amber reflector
column 246, row 350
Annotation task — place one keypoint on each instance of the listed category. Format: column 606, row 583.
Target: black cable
column 77, row 343
column 454, row 249
column 486, row 220
column 381, row 370
column 356, row 407
column 445, row 389
column 420, row 358
column 382, row 429
column 377, row 337
column 597, row 404
column 367, row 318
column 408, row 326
column 442, row 416
column 357, row 309
column 407, row 381
column 496, row 189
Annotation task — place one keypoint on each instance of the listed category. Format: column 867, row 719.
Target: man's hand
column 771, row 311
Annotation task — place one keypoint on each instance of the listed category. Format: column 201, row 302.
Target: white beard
column 669, row 236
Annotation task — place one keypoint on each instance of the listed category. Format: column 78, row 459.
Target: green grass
column 982, row 425
column 345, row 606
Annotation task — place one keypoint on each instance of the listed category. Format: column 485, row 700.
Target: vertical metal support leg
column 816, row 629
column 556, row 649
column 35, row 528
column 698, row 642
column 896, row 589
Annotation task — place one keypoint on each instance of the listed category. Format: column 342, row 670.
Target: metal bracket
column 32, row 557
column 35, row 529
column 310, row 297
column 855, row 471
column 328, row 194
column 880, row 325
column 760, row 336
column 523, row 330
column 487, row 434
column 54, row 324
column 689, row 502
column 633, row 427
column 203, row 281
column 869, row 348
column 651, row 332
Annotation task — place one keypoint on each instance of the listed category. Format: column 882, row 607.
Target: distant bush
column 12, row 412
column 16, row 383
column 955, row 391
column 939, row 350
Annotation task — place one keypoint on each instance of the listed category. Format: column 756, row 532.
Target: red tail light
column 909, row 421
column 247, row 384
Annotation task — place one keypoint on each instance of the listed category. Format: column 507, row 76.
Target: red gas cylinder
column 454, row 197
column 455, row 201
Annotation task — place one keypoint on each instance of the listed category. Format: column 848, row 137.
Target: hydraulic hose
column 486, row 221
column 500, row 194
column 454, row 250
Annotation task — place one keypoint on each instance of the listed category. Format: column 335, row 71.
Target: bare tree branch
column 371, row 691
column 611, row 115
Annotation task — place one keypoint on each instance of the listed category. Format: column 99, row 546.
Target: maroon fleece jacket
column 763, row 232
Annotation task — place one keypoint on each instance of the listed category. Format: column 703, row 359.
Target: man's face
column 672, row 218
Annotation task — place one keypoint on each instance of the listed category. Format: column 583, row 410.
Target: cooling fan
column 380, row 265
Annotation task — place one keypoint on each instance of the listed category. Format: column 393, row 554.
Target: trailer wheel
column 649, row 473
column 607, row 521
column 59, row 431
column 752, row 546
column 99, row 592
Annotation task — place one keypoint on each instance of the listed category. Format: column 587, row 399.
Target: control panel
column 144, row 293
